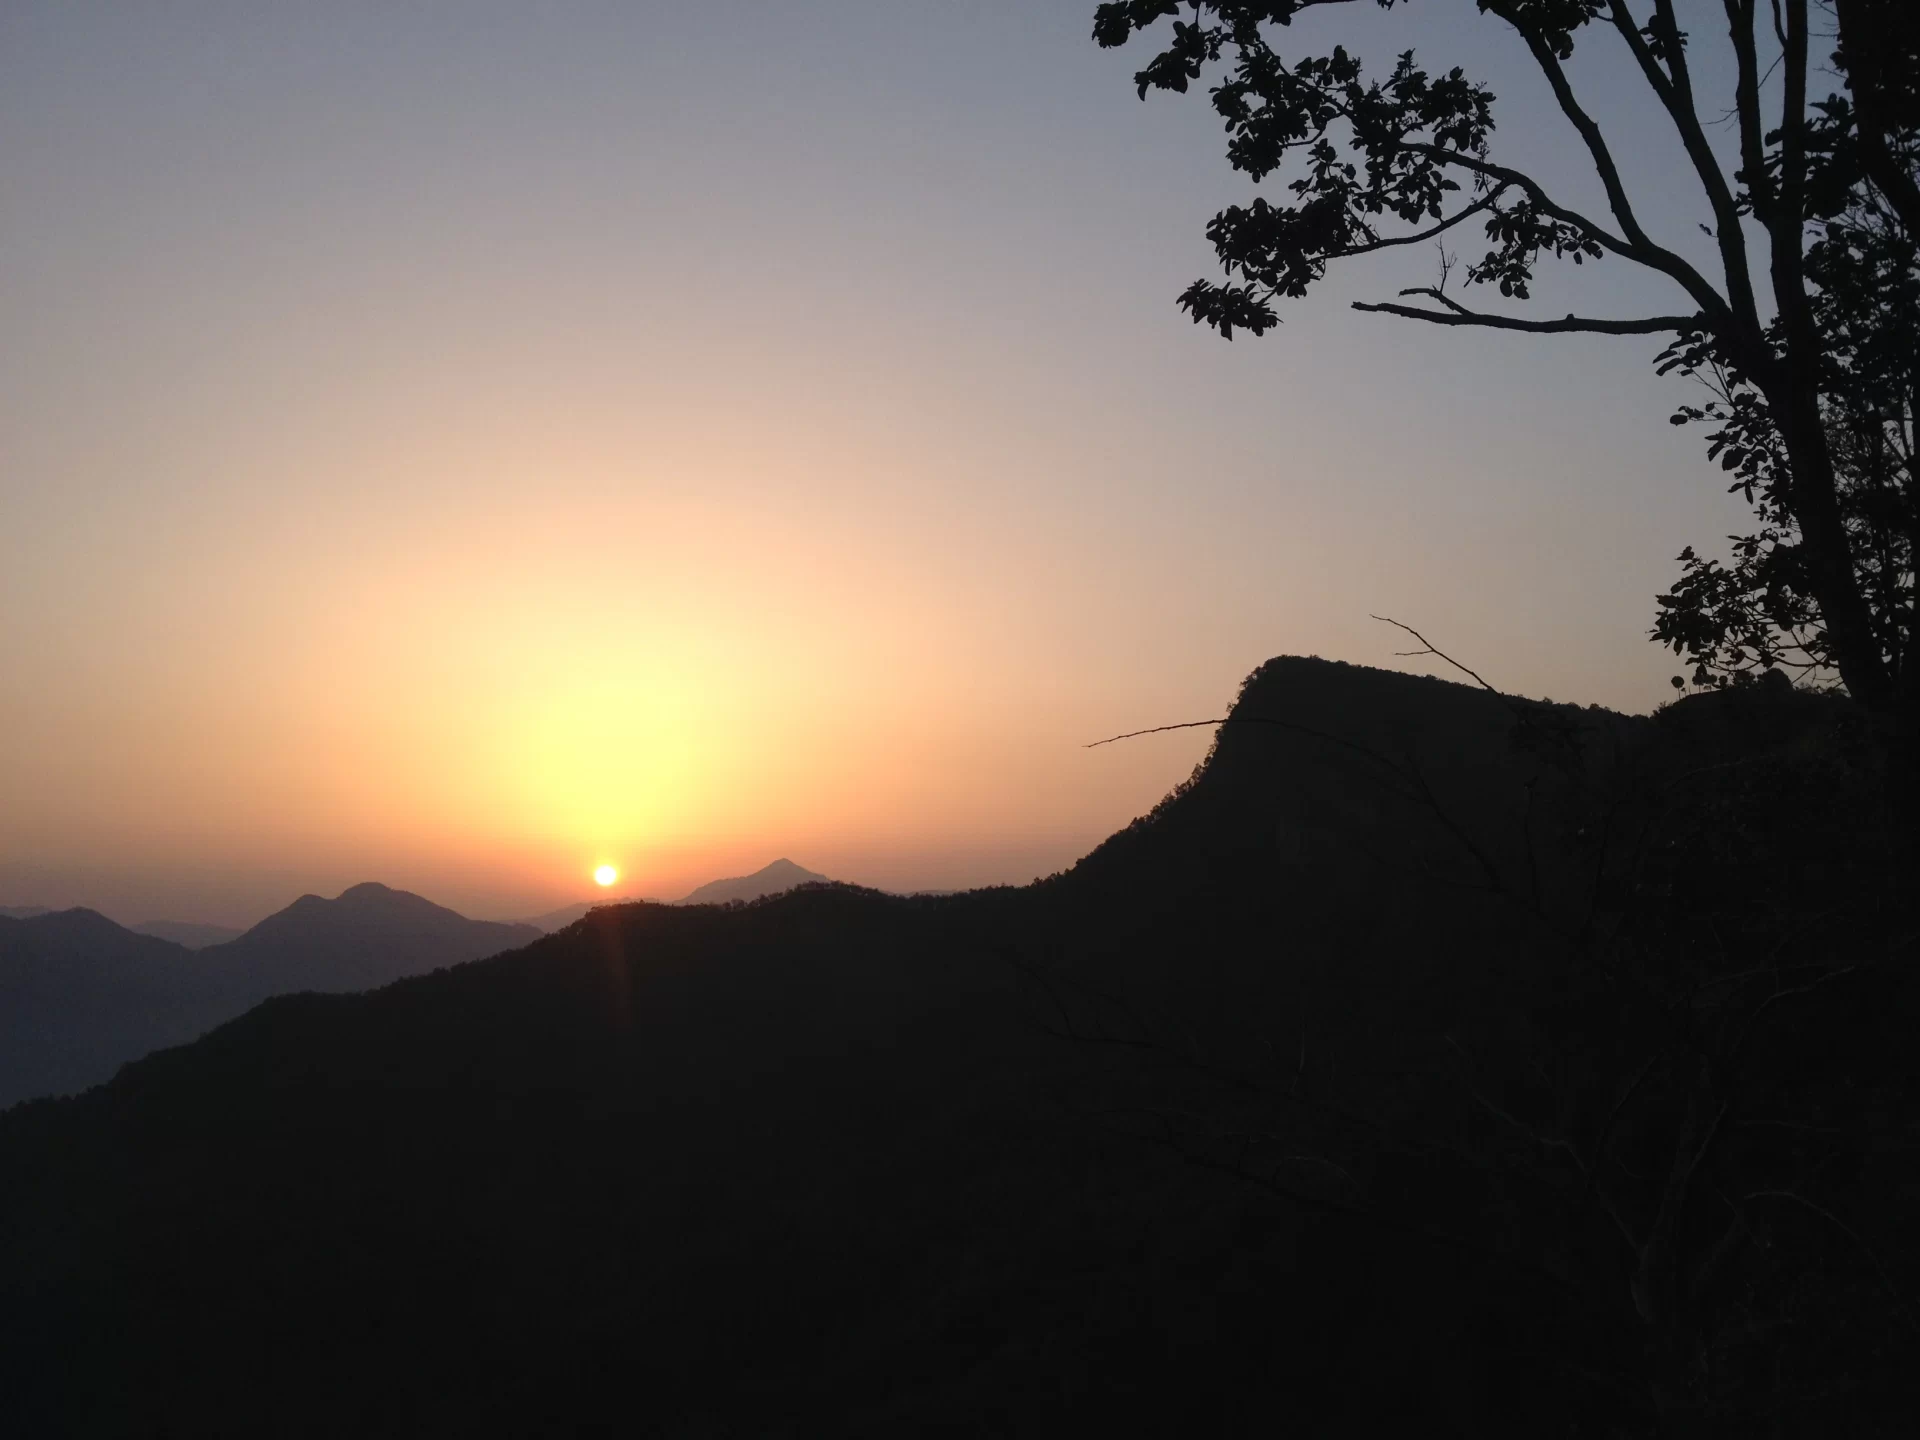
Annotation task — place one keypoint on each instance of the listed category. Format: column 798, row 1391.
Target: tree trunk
column 1829, row 569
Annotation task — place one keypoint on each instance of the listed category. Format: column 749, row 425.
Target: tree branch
column 1445, row 225
column 1788, row 266
column 1533, row 190
column 1430, row 649
column 1716, row 314
column 1746, row 99
column 1676, row 94
column 1571, row 324
column 1589, row 130
column 1641, row 246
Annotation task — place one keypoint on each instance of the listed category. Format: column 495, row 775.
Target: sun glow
column 605, row 875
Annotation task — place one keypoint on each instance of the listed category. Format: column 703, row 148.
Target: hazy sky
column 459, row 444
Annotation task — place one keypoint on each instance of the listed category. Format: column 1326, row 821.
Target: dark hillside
column 789, row 1168
column 79, row 995
column 1261, row 1115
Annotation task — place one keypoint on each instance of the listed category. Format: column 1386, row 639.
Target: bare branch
column 1430, row 650
column 1571, row 324
column 1676, row 94
column 1156, row 730
column 1584, row 123
column 1746, row 99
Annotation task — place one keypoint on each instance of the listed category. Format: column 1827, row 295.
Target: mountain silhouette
column 780, row 876
column 189, row 933
column 774, row 879
column 811, row 1165
column 80, row 995
column 559, row 919
column 369, row 935
column 843, row 1162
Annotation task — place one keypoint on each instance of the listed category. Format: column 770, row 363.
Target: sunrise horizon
column 888, row 718
column 409, row 492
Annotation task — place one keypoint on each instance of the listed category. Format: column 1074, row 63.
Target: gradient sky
column 458, row 444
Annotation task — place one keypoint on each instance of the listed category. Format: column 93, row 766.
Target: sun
column 605, row 875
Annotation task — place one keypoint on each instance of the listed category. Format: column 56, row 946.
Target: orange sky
column 455, row 449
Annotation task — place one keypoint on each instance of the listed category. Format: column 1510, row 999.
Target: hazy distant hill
column 780, row 876
column 189, row 933
column 80, row 996
column 368, row 936
column 21, row 912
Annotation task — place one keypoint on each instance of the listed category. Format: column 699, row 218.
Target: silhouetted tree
column 1864, row 269
column 1808, row 341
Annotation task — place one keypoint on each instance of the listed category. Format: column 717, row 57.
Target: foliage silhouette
column 1809, row 349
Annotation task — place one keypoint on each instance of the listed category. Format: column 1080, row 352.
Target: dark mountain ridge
column 774, row 879
column 81, row 995
column 1179, row 1140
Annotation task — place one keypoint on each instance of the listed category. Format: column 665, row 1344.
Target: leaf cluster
column 1757, row 610
column 1367, row 152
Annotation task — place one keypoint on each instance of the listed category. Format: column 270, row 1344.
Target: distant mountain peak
column 84, row 995
column 782, row 874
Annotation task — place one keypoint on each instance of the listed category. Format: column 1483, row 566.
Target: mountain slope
column 79, row 995
column 369, row 935
column 813, row 1165
column 780, row 876
column 855, row 1164
column 193, row 935
column 559, row 919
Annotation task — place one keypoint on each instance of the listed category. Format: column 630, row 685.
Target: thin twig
column 1431, row 649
